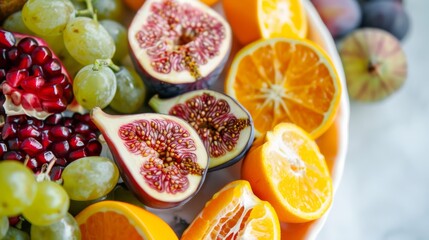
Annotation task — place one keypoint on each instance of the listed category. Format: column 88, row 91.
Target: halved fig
column 33, row 80
column 178, row 45
column 225, row 126
column 160, row 157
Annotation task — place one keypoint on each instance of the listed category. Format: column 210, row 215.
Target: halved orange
column 289, row 171
column 254, row 19
column 235, row 212
column 285, row 80
column 111, row 220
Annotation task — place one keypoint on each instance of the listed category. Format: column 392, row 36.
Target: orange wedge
column 111, row 220
column 285, row 80
column 235, row 212
column 254, row 19
column 289, row 171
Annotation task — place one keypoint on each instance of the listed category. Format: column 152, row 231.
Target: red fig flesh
column 178, row 45
column 160, row 157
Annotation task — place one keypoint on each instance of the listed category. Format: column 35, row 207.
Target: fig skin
column 246, row 135
column 374, row 63
column 109, row 126
column 177, row 82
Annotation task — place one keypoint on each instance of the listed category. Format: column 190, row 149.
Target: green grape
column 90, row 178
column 77, row 206
column 47, row 17
column 50, row 205
column 55, row 43
column 69, row 63
column 4, row 226
column 64, row 229
column 124, row 195
column 14, row 23
column 16, row 234
column 79, row 4
column 94, row 87
column 87, row 40
column 119, row 35
column 17, row 187
column 109, row 9
column 130, row 92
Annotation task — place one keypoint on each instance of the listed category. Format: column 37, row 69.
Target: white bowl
column 333, row 143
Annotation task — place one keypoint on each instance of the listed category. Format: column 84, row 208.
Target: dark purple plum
column 340, row 16
column 388, row 15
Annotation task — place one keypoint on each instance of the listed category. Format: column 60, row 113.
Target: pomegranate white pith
column 133, row 148
column 179, row 41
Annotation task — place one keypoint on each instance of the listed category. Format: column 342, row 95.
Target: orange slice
column 235, row 212
column 285, row 80
column 118, row 220
column 289, row 171
column 254, row 19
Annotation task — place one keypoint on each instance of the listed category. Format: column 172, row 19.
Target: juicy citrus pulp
column 266, row 19
column 289, row 171
column 235, row 212
column 285, row 80
column 119, row 220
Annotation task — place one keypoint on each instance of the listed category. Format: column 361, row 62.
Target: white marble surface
column 384, row 193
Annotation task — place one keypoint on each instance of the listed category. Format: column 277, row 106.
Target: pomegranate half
column 33, row 80
column 161, row 158
column 178, row 45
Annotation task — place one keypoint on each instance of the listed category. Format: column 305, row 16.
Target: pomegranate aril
column 82, row 128
column 28, row 131
column 55, row 106
column 9, row 130
column 93, row 148
column 32, row 164
column 14, row 78
column 80, row 153
column 69, row 122
column 56, row 172
column 68, row 93
column 41, row 54
column 20, row 119
column 13, row 54
column 32, row 84
column 30, row 101
column 14, row 220
column 54, row 119
column 46, row 141
column 50, row 92
column 14, row 144
column 27, row 45
column 6, row 39
column 36, row 122
column 37, row 70
column 60, row 148
column 2, row 74
column 25, row 61
column 52, row 67
column 91, row 135
column 15, row 96
column 12, row 155
column 60, row 79
column 3, row 148
column 61, row 162
column 76, row 141
column 60, row 132
column 31, row 146
column 45, row 157
column 3, row 58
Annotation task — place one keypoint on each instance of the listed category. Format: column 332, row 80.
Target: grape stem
column 89, row 11
column 105, row 63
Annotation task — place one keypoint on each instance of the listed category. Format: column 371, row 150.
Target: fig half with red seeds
column 225, row 126
column 161, row 157
column 33, row 80
column 178, row 45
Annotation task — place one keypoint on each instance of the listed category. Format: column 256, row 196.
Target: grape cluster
column 90, row 41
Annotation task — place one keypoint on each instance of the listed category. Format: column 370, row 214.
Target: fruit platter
column 169, row 119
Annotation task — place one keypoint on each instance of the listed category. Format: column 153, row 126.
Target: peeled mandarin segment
column 119, row 220
column 282, row 18
column 285, row 80
column 289, row 171
column 234, row 211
